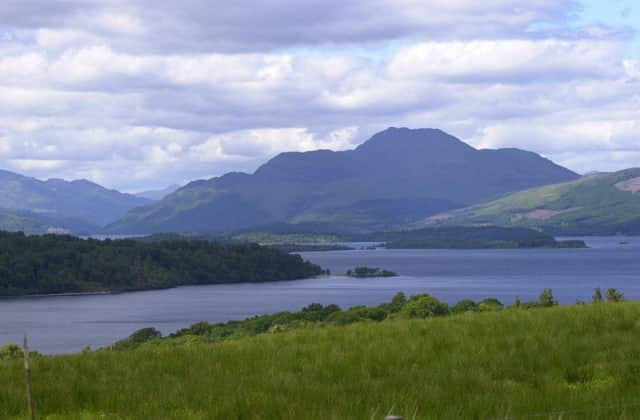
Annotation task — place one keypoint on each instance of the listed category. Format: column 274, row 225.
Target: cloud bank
column 139, row 95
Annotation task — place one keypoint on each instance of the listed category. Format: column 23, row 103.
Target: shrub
column 398, row 302
column 546, row 299
column 138, row 337
column 490, row 304
column 424, row 306
column 10, row 351
column 614, row 296
column 464, row 305
column 597, row 295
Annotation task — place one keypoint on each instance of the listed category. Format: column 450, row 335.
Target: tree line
column 400, row 307
column 66, row 264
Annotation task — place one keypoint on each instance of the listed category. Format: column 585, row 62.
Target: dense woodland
column 66, row 264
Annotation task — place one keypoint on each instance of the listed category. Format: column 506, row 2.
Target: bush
column 490, row 304
column 546, row 299
column 464, row 305
column 614, row 296
column 597, row 295
column 316, row 312
column 424, row 306
column 397, row 303
column 10, row 351
column 138, row 337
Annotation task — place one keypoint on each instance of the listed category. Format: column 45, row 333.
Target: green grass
column 511, row 363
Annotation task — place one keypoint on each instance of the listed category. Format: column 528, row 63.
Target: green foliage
column 614, row 296
column 398, row 302
column 546, row 299
column 367, row 272
column 597, row 295
column 490, row 304
column 424, row 306
column 10, row 351
column 580, row 360
column 464, row 305
column 138, row 337
column 66, row 264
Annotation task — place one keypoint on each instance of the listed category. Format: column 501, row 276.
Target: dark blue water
column 68, row 323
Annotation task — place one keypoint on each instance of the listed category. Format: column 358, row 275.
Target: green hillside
column 601, row 204
column 562, row 362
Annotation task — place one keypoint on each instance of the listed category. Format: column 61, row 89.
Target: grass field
column 583, row 361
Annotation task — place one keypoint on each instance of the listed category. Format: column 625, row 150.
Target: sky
column 141, row 94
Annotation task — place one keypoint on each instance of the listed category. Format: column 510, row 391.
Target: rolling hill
column 397, row 177
column 599, row 204
column 35, row 206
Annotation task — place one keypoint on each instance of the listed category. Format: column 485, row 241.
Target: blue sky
column 137, row 97
column 615, row 13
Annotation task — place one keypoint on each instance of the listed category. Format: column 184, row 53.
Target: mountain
column 156, row 195
column 397, row 177
column 599, row 204
column 30, row 204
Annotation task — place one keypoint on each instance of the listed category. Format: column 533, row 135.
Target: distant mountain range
column 56, row 205
column 157, row 195
column 599, row 204
column 396, row 178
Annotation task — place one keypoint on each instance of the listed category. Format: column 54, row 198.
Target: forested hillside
column 65, row 264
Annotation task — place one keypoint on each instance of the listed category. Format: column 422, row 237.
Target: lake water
column 62, row 324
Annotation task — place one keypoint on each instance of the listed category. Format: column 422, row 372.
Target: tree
column 490, row 304
column 614, row 296
column 424, row 306
column 546, row 299
column 597, row 295
column 10, row 351
column 398, row 301
column 464, row 305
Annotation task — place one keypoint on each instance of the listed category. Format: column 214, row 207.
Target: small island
column 476, row 237
column 365, row 272
column 295, row 247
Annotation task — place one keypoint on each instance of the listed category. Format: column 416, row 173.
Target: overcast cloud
column 142, row 94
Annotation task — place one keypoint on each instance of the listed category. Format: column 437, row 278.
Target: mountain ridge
column 598, row 204
column 417, row 172
column 27, row 203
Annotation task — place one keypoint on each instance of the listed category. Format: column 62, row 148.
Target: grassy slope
column 478, row 365
column 590, row 205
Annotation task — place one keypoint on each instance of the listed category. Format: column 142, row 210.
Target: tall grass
column 513, row 363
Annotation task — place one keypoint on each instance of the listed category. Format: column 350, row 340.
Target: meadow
column 581, row 361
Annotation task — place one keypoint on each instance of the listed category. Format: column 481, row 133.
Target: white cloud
column 139, row 97
column 632, row 67
column 515, row 61
column 258, row 144
column 198, row 25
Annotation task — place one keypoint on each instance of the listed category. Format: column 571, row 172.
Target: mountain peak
column 398, row 176
column 417, row 140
